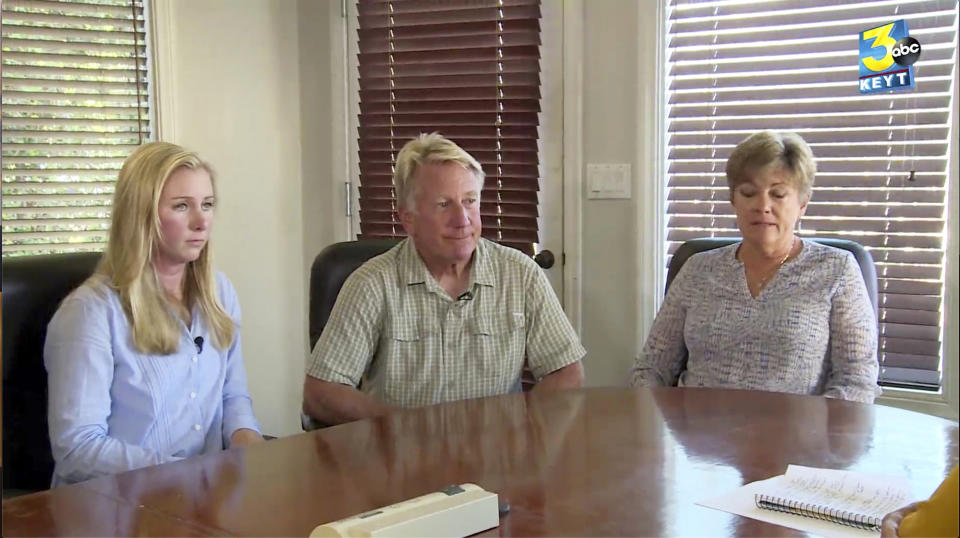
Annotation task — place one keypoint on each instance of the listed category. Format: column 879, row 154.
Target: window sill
column 931, row 403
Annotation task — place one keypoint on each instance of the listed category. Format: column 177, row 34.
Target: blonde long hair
column 135, row 238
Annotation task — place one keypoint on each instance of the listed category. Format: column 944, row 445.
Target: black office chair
column 33, row 288
column 867, row 268
column 329, row 271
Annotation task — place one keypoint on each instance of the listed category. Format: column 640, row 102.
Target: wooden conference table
column 592, row 462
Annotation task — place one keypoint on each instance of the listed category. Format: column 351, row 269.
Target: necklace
column 763, row 281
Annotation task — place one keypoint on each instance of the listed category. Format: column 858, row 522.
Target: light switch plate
column 609, row 181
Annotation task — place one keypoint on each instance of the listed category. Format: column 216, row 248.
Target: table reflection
column 726, row 439
column 205, row 489
column 754, row 435
column 74, row 511
column 593, row 462
column 488, row 442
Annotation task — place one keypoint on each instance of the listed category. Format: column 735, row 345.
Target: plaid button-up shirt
column 411, row 344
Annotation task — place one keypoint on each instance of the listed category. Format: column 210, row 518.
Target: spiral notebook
column 843, row 497
column 822, row 501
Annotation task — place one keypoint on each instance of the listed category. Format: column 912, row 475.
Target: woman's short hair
column 426, row 149
column 135, row 238
column 784, row 151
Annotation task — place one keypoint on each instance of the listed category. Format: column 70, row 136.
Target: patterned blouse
column 811, row 330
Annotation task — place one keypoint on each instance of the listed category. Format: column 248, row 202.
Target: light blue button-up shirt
column 112, row 408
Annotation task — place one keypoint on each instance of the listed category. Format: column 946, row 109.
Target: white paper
column 872, row 490
column 859, row 493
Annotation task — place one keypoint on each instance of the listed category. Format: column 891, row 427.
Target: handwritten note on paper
column 847, row 486
column 842, row 490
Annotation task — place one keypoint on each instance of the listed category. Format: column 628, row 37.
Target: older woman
column 773, row 312
column 143, row 359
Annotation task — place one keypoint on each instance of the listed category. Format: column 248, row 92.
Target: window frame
column 163, row 80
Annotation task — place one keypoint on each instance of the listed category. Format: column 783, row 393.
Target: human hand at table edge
column 245, row 437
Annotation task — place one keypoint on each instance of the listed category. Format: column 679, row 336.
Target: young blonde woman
column 144, row 360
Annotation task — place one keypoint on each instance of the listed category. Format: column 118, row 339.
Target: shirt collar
column 412, row 268
column 414, row 271
column 482, row 271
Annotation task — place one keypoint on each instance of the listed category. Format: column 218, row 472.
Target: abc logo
column 906, row 51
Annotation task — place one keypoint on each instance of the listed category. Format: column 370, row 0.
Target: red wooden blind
column 468, row 69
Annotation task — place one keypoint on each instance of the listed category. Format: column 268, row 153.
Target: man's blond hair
column 428, row 149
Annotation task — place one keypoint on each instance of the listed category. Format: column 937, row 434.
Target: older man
column 445, row 315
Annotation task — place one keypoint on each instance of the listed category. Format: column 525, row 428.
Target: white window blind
column 737, row 67
column 75, row 104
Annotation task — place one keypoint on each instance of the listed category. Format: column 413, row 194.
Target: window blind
column 75, row 104
column 469, row 69
column 739, row 67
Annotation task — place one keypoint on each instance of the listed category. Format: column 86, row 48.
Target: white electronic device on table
column 453, row 511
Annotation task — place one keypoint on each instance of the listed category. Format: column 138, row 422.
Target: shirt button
column 194, row 358
column 193, row 395
column 196, row 427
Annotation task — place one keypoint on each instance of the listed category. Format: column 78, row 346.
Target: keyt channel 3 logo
column 887, row 55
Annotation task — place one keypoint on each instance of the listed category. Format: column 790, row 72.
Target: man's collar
column 412, row 268
column 414, row 271
column 482, row 272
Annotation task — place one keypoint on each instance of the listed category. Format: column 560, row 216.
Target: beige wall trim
column 164, row 60
column 346, row 104
column 573, row 36
column 651, row 167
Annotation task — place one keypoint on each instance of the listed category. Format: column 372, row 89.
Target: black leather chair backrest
column 330, row 270
column 863, row 258
column 33, row 288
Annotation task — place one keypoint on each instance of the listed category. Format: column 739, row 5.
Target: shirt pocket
column 410, row 346
column 498, row 349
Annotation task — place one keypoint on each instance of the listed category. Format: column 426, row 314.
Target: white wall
column 321, row 131
column 231, row 91
column 609, row 283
